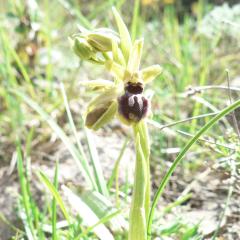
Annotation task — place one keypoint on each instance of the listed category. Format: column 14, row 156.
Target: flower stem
column 145, row 142
column 141, row 190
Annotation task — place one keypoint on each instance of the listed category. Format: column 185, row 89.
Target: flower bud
column 102, row 41
column 83, row 49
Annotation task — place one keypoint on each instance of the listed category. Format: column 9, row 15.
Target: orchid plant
column 122, row 98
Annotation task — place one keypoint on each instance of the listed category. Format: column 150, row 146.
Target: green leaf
column 87, row 214
column 102, row 206
column 101, row 221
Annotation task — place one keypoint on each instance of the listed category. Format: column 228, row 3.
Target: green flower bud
column 101, row 40
column 83, row 49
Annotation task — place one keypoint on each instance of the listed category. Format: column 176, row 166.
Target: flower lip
column 133, row 108
column 134, row 88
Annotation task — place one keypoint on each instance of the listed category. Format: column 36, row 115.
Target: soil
column 209, row 187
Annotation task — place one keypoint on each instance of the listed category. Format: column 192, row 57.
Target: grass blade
column 180, row 156
column 25, row 197
column 115, row 169
column 98, row 173
column 69, row 145
column 55, row 194
column 74, row 130
column 54, row 206
column 19, row 63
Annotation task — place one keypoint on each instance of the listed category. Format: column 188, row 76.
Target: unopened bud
column 101, row 41
column 83, row 49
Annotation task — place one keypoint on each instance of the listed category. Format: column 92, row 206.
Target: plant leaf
column 88, row 216
column 101, row 206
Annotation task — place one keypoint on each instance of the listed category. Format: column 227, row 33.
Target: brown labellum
column 133, row 106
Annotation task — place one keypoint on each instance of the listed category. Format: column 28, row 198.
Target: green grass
column 34, row 108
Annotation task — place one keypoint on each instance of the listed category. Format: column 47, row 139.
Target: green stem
column 141, row 191
column 145, row 144
column 137, row 220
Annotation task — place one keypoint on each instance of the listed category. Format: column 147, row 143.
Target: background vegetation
column 42, row 103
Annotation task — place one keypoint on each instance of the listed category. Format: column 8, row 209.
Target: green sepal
column 115, row 69
column 96, row 85
column 103, row 99
column 101, row 116
column 101, row 41
column 117, row 54
column 125, row 39
column 135, row 56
